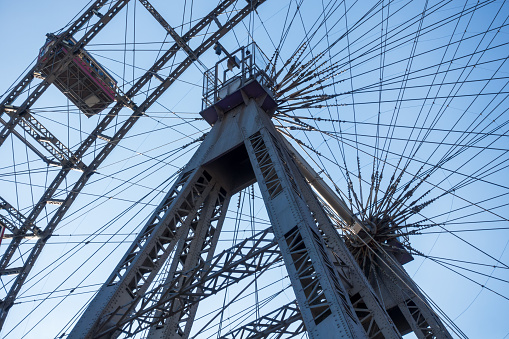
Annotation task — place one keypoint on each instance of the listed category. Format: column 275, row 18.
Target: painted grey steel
column 325, row 304
column 194, row 249
column 373, row 318
column 209, row 150
column 147, row 254
column 328, row 195
column 251, row 256
column 8, row 301
column 285, row 321
column 335, row 298
column 397, row 289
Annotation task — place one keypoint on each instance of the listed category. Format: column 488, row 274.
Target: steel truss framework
column 59, row 154
column 333, row 296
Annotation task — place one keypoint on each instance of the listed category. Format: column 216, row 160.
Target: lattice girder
column 253, row 255
column 278, row 322
column 403, row 299
column 147, row 254
column 90, row 140
column 193, row 250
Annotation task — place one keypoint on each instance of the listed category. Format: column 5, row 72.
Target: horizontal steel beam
column 11, row 271
column 277, row 322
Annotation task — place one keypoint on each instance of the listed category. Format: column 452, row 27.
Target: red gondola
column 84, row 81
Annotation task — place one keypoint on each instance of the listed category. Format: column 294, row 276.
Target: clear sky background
column 441, row 107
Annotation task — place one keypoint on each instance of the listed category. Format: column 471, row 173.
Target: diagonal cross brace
column 124, row 129
column 193, row 250
column 252, row 255
column 278, row 322
column 45, row 138
column 178, row 39
column 41, row 88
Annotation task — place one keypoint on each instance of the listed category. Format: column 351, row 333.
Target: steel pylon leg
column 322, row 297
column 406, row 300
column 139, row 266
column 368, row 308
column 193, row 250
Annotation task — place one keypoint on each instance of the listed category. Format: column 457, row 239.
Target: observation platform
column 241, row 80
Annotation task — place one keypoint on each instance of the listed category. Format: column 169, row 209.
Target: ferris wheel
column 254, row 169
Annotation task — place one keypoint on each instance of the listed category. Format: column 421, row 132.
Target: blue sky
column 443, row 93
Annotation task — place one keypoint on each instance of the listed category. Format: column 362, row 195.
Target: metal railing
column 234, row 71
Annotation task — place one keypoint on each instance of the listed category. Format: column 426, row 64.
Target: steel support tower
column 15, row 114
column 334, row 299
